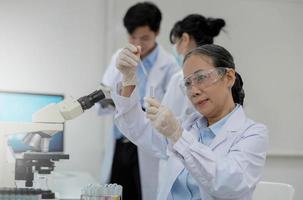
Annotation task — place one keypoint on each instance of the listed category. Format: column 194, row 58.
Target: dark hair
column 201, row 29
column 221, row 58
column 142, row 14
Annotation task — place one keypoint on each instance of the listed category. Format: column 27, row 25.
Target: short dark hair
column 142, row 14
column 201, row 29
column 221, row 58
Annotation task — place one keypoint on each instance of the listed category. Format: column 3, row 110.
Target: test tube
column 152, row 92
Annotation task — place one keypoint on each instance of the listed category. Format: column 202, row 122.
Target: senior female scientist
column 218, row 156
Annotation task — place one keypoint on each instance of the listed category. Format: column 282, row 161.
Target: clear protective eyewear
column 204, row 78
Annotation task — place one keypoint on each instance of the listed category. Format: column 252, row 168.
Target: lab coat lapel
column 173, row 168
column 221, row 137
column 233, row 124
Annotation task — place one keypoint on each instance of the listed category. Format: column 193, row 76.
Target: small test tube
column 152, row 92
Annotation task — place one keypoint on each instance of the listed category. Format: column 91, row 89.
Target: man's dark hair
column 142, row 14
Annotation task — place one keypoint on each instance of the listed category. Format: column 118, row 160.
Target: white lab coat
column 159, row 76
column 227, row 169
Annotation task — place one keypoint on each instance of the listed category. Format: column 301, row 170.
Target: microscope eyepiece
column 88, row 101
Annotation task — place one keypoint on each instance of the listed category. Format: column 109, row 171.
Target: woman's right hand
column 127, row 62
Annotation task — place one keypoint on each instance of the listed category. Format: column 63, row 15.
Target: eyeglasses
column 204, row 78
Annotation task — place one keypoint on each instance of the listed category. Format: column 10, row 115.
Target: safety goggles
column 204, row 78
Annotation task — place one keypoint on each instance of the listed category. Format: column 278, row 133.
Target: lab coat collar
column 236, row 120
column 233, row 124
column 152, row 56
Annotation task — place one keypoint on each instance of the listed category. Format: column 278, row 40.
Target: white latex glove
column 127, row 62
column 163, row 119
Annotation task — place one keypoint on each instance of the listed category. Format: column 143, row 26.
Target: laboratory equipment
column 102, row 192
column 152, row 92
column 50, row 119
column 20, row 194
column 45, row 123
column 9, row 193
column 19, row 106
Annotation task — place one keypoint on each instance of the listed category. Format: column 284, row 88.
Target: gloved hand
column 127, row 62
column 163, row 119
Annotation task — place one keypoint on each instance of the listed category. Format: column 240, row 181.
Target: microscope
column 45, row 123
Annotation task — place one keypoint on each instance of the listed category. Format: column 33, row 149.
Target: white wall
column 56, row 46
